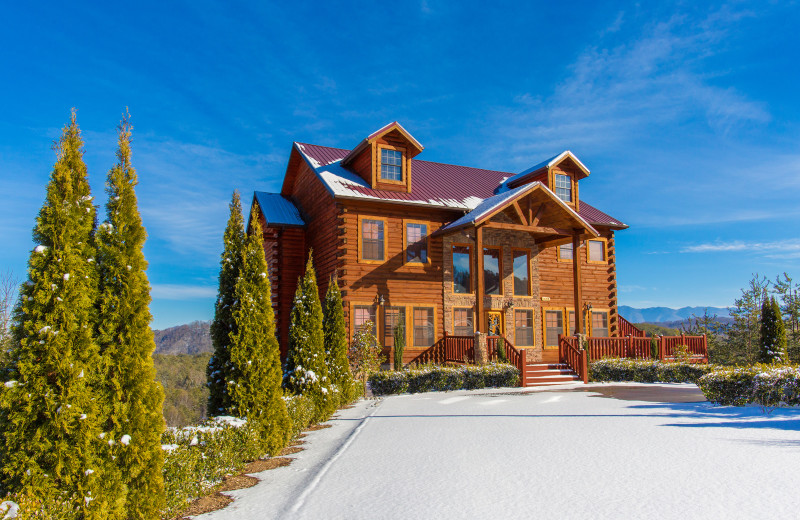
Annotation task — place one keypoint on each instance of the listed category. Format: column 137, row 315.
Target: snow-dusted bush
column 301, row 412
column 197, row 458
column 766, row 385
column 644, row 371
column 433, row 378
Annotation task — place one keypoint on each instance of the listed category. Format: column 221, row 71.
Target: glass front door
column 494, row 323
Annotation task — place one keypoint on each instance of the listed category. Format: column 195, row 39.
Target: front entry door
column 494, row 323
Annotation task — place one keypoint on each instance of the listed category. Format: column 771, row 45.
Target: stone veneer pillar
column 481, row 351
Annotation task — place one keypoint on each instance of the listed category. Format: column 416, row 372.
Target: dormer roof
column 394, row 125
column 545, row 165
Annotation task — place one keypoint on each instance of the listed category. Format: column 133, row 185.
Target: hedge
column 644, row 371
column 765, row 385
column 197, row 458
column 435, row 378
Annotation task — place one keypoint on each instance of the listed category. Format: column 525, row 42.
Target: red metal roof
column 433, row 184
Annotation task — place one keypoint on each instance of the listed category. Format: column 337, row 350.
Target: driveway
column 579, row 451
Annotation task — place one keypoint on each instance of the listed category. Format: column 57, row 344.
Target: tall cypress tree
column 773, row 333
column 306, row 372
column 49, row 420
column 335, row 338
column 132, row 398
column 255, row 386
column 223, row 327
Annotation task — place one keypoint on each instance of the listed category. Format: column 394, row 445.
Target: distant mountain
column 192, row 338
column 667, row 315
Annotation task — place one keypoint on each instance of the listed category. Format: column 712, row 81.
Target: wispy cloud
column 182, row 292
column 615, row 89
column 775, row 249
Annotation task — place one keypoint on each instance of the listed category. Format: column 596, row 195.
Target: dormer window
column 563, row 187
column 391, row 165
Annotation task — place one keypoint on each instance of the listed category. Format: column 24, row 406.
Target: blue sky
column 686, row 113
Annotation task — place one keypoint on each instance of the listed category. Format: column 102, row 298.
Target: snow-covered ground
column 578, row 451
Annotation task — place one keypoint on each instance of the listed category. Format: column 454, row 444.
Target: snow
column 88, row 472
column 577, row 451
column 169, row 447
column 10, row 384
column 66, row 276
column 40, row 249
column 11, row 509
column 125, row 440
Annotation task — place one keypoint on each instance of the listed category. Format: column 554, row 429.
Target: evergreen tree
column 743, row 334
column 718, row 351
column 223, row 327
column 49, row 420
column 255, row 387
column 773, row 333
column 399, row 344
column 789, row 293
column 131, row 397
column 336, row 341
column 306, row 372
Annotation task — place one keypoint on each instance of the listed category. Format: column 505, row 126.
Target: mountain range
column 666, row 314
column 194, row 338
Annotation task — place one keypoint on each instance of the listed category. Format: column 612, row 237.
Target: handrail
column 516, row 357
column 576, row 358
column 627, row 328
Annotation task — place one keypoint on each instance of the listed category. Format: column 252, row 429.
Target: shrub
column 399, row 345
column 765, row 385
column 433, row 378
column 644, row 371
column 301, row 412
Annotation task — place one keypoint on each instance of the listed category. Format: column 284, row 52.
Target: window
column 563, row 187
column 391, row 165
column 597, row 251
column 553, row 326
column 523, row 328
column 522, row 265
column 363, row 314
column 600, row 324
column 372, row 240
column 461, row 269
column 423, row 326
column 392, row 317
column 565, row 252
column 491, row 271
column 462, row 322
column 571, row 320
column 416, row 242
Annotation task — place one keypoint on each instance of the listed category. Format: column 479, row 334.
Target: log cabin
column 444, row 249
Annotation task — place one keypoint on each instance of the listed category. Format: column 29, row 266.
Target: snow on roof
column 547, row 163
column 433, row 184
column 278, row 210
column 487, row 206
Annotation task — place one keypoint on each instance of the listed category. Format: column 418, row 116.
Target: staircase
column 546, row 374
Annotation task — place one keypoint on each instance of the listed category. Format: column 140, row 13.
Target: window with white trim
column 563, row 187
column 391, row 165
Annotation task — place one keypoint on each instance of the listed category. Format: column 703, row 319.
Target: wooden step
column 545, row 374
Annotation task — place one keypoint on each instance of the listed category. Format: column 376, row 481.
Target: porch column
column 576, row 282
column 481, row 325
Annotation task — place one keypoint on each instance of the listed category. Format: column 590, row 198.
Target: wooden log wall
column 400, row 284
column 599, row 286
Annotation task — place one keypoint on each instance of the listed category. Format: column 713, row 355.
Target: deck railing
column 627, row 328
column 630, row 347
column 576, row 358
column 697, row 347
column 640, row 348
column 459, row 349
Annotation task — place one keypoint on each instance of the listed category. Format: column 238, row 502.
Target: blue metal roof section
column 278, row 210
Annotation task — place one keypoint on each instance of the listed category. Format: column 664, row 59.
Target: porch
column 572, row 361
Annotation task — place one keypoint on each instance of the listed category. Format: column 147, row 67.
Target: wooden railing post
column 705, row 348
column 585, row 366
column 560, row 349
column 661, row 348
column 523, row 368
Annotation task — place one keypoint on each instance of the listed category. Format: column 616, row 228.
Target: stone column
column 481, row 351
